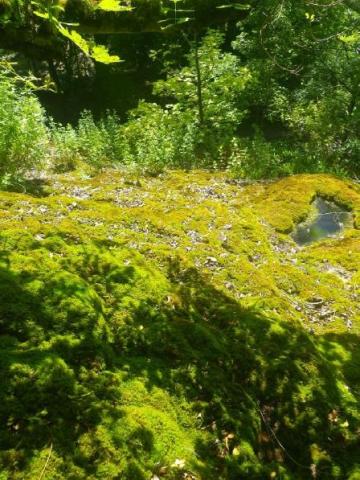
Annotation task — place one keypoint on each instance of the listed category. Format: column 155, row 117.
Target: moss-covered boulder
column 171, row 328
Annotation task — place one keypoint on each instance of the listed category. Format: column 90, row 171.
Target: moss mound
column 170, row 328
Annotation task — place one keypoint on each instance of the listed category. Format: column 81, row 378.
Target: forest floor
column 170, row 327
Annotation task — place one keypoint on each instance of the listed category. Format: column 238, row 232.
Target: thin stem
column 199, row 83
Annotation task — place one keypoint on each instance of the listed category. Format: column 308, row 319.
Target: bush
column 95, row 140
column 23, row 132
column 323, row 126
column 257, row 158
column 174, row 135
column 95, row 143
column 65, row 153
column 155, row 138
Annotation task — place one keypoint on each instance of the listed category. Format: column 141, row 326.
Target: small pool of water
column 328, row 220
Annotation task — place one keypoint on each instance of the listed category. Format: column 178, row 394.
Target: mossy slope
column 170, row 328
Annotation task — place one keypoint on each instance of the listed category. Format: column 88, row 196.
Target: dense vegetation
column 262, row 90
column 157, row 319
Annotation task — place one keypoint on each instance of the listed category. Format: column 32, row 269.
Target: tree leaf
column 76, row 38
column 101, row 54
column 350, row 39
column 113, row 6
column 41, row 14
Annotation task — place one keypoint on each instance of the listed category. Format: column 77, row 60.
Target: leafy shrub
column 95, row 143
column 65, row 147
column 23, row 133
column 176, row 135
column 325, row 132
column 155, row 138
column 260, row 158
column 257, row 158
column 94, row 140
column 322, row 116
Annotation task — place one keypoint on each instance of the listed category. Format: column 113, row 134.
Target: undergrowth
column 186, row 130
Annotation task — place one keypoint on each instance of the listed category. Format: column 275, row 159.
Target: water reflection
column 329, row 219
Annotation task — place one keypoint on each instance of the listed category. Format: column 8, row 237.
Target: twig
column 326, row 5
column 274, row 437
column 273, row 434
column 46, row 463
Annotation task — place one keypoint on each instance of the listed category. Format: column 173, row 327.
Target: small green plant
column 114, row 362
column 94, row 141
column 258, row 158
column 23, row 133
column 91, row 142
column 64, row 152
column 155, row 138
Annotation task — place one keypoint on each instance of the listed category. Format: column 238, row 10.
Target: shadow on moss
column 265, row 395
column 35, row 187
column 275, row 398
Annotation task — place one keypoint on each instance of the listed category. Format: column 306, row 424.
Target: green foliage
column 65, row 150
column 112, row 6
column 33, row 14
column 23, row 135
column 94, row 143
column 320, row 128
column 306, row 79
column 222, row 80
column 316, row 118
column 258, row 158
column 154, row 139
column 281, row 98
column 324, row 119
column 98, row 52
column 174, row 136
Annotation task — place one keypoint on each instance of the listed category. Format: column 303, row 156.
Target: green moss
column 166, row 326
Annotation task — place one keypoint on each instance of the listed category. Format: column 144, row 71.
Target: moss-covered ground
column 170, row 328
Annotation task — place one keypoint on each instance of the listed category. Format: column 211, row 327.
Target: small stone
column 43, row 209
column 229, row 286
column 211, row 262
column 72, row 206
column 223, row 237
